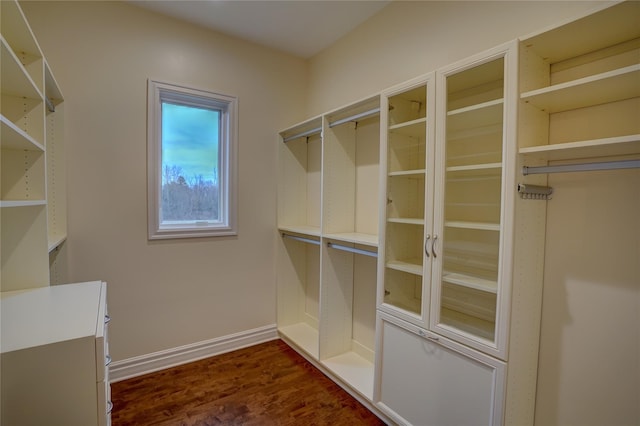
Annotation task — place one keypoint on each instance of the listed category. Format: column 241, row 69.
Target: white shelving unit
column 54, row 338
column 23, row 195
column 565, row 85
column 327, row 218
column 460, row 256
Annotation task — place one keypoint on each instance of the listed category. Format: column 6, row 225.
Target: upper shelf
column 480, row 116
column 51, row 88
column 354, row 237
column 611, row 86
column 312, row 231
column 20, row 40
column 16, row 81
column 303, row 130
column 615, row 24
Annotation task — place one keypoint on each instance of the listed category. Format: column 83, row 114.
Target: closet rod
column 302, row 134
column 304, row 240
column 352, row 250
column 356, row 117
column 581, row 167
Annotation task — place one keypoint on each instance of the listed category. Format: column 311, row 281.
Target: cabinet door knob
column 107, row 318
column 426, row 242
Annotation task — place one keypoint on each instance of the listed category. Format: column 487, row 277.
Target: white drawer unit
column 55, row 356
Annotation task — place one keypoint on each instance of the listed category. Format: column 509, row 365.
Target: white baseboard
column 137, row 366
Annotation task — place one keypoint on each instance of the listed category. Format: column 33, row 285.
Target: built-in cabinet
column 32, row 194
column 445, row 261
column 452, row 334
column 54, row 337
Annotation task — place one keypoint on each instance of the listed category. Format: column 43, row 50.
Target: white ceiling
column 300, row 27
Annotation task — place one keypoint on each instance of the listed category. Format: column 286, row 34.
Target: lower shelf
column 468, row 324
column 302, row 335
column 354, row 370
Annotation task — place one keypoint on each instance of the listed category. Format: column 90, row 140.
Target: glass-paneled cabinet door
column 407, row 164
column 475, row 139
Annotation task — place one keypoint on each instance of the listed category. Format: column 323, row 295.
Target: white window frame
column 157, row 92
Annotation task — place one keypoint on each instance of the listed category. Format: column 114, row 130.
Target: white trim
column 137, row 366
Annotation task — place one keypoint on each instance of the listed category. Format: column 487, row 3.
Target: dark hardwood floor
column 266, row 384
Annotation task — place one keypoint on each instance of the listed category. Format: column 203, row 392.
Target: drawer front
column 433, row 381
column 102, row 338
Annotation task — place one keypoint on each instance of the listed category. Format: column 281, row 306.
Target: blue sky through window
column 190, row 140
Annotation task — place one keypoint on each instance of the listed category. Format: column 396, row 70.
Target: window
column 191, row 162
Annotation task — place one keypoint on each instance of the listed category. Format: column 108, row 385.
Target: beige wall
column 164, row 294
column 409, row 38
column 589, row 366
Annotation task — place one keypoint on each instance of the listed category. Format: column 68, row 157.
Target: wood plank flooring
column 266, row 384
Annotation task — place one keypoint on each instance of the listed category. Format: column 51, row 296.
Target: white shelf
column 484, row 168
column 56, row 241
column 472, row 326
column 354, row 237
column 620, row 145
column 408, row 173
column 421, row 120
column 414, row 128
column 16, row 81
column 15, row 138
column 303, row 336
column 597, row 89
column 481, row 284
column 406, row 220
column 482, row 226
column 21, row 203
column 483, row 116
column 614, row 25
column 411, row 266
column 52, row 90
column 313, row 231
column 410, row 307
column 355, row 370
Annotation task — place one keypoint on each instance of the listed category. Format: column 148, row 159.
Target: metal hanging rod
column 356, row 117
column 50, row 106
column 304, row 240
column 352, row 250
column 313, row 131
column 581, row 167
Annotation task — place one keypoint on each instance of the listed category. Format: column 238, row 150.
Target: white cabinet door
column 406, row 162
column 428, row 380
column 474, row 192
